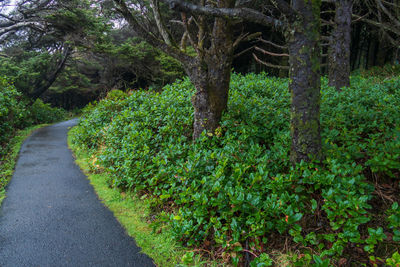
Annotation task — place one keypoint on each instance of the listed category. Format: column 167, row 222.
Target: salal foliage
column 236, row 189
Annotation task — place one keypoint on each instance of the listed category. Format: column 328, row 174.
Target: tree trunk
column 355, row 46
column 305, row 82
column 210, row 100
column 371, row 53
column 382, row 52
column 339, row 55
column 211, row 73
column 43, row 85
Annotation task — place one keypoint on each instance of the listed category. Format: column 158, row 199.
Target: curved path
column 52, row 217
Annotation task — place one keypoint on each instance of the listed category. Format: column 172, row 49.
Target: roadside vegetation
column 233, row 195
column 18, row 118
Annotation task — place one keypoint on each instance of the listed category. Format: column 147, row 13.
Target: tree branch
column 269, row 64
column 18, row 26
column 168, row 49
column 227, row 13
column 271, row 53
column 245, row 37
column 160, row 24
column 389, row 28
column 273, row 44
column 244, row 51
column 286, row 9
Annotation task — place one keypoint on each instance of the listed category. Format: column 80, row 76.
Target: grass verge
column 8, row 163
column 133, row 214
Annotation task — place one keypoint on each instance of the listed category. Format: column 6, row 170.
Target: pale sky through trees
column 9, row 7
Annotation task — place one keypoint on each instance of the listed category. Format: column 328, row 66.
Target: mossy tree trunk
column 211, row 80
column 210, row 73
column 305, row 81
column 339, row 54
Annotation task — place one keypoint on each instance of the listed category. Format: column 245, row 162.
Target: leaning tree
column 39, row 37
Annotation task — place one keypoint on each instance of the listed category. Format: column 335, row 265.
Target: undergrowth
column 234, row 196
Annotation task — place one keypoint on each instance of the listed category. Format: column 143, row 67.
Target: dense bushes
column 235, row 190
column 10, row 110
column 16, row 113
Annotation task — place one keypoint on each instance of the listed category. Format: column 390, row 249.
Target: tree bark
column 210, row 73
column 339, row 55
column 305, row 82
column 210, row 100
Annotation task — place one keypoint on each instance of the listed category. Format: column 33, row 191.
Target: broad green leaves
column 237, row 185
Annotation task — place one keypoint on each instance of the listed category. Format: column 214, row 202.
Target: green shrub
column 40, row 113
column 11, row 110
column 16, row 113
column 237, row 188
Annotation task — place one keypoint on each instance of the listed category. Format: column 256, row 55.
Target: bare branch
column 390, row 16
column 246, row 37
column 286, row 9
column 273, row 44
column 269, row 64
column 271, row 53
column 20, row 25
column 244, row 51
column 381, row 25
column 186, row 24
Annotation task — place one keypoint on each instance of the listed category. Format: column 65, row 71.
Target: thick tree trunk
column 339, row 55
column 210, row 73
column 305, row 82
column 210, row 100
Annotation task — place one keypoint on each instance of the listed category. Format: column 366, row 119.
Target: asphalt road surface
column 52, row 217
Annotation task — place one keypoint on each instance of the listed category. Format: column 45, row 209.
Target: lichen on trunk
column 339, row 50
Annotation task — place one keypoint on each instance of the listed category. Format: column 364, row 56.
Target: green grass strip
column 8, row 163
column 133, row 214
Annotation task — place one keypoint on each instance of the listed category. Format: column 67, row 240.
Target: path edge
column 8, row 167
column 131, row 212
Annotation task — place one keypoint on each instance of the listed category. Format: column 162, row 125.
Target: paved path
column 52, row 217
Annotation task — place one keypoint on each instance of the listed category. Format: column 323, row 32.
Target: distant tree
column 339, row 45
column 384, row 18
